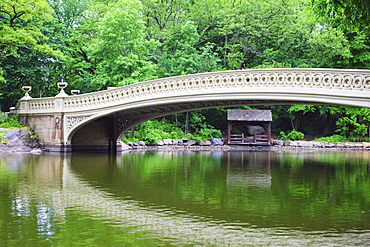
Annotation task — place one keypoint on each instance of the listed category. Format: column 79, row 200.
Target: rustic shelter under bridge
column 249, row 127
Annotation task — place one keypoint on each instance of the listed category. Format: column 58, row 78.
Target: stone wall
column 97, row 135
column 49, row 129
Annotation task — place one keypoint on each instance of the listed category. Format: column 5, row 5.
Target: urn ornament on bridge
column 62, row 84
column 26, row 89
column 75, row 92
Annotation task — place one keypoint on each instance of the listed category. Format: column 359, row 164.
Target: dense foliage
column 9, row 122
column 99, row 43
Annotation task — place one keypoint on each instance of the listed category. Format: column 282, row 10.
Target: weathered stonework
column 97, row 135
column 49, row 128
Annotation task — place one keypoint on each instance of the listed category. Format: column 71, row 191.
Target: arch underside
column 128, row 118
column 139, row 115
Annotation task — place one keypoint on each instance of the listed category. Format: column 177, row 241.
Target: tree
column 168, row 22
column 24, row 48
column 352, row 18
column 20, row 26
column 177, row 54
column 344, row 13
column 120, row 46
column 351, row 122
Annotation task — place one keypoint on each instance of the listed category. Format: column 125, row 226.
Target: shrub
column 291, row 135
column 208, row 133
column 9, row 122
column 339, row 138
column 153, row 130
column 332, row 139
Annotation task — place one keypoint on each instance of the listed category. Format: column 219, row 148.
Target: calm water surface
column 186, row 199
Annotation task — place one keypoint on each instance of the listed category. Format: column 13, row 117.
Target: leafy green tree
column 69, row 13
column 109, row 46
column 20, row 26
column 354, row 123
column 120, row 46
column 178, row 55
column 76, row 22
column 26, row 52
column 344, row 13
column 177, row 36
column 351, row 122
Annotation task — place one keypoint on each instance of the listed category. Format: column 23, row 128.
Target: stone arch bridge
column 95, row 121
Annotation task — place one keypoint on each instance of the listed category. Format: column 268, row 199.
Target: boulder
column 140, row 143
column 366, row 144
column 305, row 144
column 278, row 142
column 160, row 143
column 18, row 137
column 204, row 143
column 254, row 129
column 168, row 142
column 348, row 145
column 327, row 145
column 188, row 142
column 216, row 141
column 36, row 151
column 317, row 144
column 121, row 146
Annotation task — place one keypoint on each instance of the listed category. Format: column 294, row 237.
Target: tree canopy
column 344, row 13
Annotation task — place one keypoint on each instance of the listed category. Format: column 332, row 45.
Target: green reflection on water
column 313, row 191
column 49, row 200
column 30, row 218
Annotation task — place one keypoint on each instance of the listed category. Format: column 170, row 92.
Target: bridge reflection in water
column 57, row 184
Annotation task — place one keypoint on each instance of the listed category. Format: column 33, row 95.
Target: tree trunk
column 132, row 131
column 328, row 124
column 186, row 131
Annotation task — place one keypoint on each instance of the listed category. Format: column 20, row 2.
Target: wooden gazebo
column 253, row 127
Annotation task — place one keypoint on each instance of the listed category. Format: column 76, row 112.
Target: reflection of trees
column 330, row 188
column 262, row 188
column 21, row 213
column 202, row 183
column 247, row 188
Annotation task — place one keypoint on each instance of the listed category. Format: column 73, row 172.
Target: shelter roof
column 249, row 115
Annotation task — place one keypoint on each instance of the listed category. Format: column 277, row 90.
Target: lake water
column 185, row 198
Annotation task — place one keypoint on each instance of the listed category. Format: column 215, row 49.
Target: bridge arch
column 126, row 106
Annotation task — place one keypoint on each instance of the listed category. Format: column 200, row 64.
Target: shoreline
column 293, row 149
column 20, row 141
column 299, row 146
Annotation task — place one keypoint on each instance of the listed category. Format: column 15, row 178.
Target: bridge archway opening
column 103, row 133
